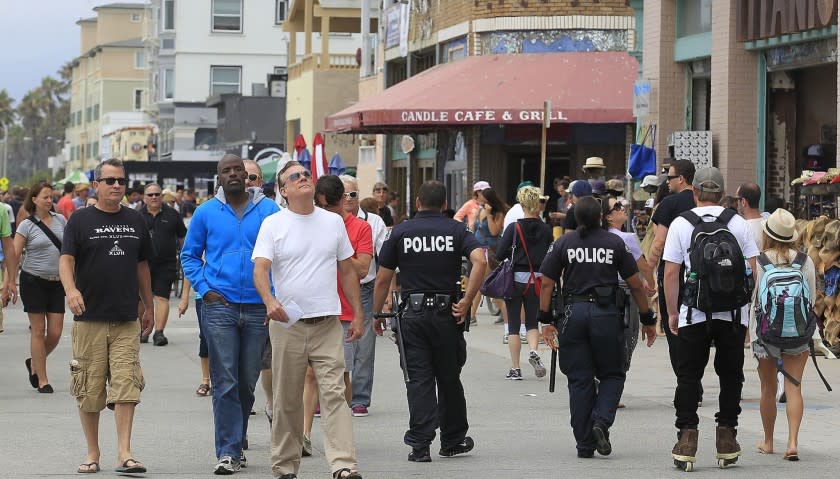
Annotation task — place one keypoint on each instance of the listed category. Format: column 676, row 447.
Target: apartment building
column 459, row 87
column 109, row 82
column 762, row 76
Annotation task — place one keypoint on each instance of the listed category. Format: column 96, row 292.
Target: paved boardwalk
column 520, row 429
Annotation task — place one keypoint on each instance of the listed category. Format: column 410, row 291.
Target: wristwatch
column 545, row 317
column 647, row 319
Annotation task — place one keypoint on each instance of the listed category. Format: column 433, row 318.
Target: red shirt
column 361, row 238
column 66, row 206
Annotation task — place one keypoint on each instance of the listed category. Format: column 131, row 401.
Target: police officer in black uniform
column 428, row 250
column 590, row 340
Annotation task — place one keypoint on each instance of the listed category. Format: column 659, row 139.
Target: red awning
column 584, row 87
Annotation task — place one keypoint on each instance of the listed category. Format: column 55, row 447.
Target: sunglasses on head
column 352, row 195
column 296, row 176
column 110, row 181
column 153, row 195
column 617, row 206
column 253, row 177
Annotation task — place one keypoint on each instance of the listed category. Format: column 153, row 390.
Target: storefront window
column 693, row 17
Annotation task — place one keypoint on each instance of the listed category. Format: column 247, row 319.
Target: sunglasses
column 253, row 177
column 617, row 207
column 673, row 177
column 296, row 176
column 152, row 195
column 110, row 181
column 352, row 195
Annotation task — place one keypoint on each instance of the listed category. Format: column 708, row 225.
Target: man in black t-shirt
column 167, row 231
column 103, row 269
column 580, row 189
column 680, row 177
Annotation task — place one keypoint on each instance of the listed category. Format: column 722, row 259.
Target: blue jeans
column 235, row 336
column 361, row 376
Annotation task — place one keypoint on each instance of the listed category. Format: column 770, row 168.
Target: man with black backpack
column 712, row 243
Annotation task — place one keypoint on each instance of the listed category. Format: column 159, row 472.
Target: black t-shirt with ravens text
column 586, row 263
column 107, row 247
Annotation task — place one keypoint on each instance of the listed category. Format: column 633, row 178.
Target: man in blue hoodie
column 222, row 232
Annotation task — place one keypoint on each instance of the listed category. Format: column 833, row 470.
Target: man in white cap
column 469, row 210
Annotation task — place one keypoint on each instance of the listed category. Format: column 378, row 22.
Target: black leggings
column 531, row 300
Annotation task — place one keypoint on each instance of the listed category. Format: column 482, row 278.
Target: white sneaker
column 536, row 362
column 226, row 466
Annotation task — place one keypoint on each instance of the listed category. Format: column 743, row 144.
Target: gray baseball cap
column 708, row 179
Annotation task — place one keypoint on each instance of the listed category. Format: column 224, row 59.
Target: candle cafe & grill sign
column 759, row 19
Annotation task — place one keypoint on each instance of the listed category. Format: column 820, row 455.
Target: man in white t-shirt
column 304, row 326
column 749, row 196
column 694, row 336
column 365, row 348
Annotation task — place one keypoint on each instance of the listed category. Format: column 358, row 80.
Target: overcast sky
column 36, row 38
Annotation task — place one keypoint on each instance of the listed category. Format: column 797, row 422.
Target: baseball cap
column 615, row 185
column 598, row 187
column 524, row 184
column 708, row 175
column 581, row 188
column 481, row 185
column 650, row 180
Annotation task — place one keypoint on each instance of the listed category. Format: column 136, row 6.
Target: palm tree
column 7, row 111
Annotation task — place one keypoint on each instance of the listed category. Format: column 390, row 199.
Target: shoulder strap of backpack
column 691, row 217
column 799, row 261
column 726, row 215
column 764, row 262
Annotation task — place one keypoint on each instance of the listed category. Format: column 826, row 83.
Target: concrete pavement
column 520, row 429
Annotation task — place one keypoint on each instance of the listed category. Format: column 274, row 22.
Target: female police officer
column 591, row 326
column 428, row 249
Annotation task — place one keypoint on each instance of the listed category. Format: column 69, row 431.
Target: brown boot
column 685, row 450
column 728, row 448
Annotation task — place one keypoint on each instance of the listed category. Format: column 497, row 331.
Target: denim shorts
column 763, row 351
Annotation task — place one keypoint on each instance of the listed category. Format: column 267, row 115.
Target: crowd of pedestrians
column 300, row 311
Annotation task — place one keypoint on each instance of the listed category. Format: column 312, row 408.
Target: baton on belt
column 396, row 315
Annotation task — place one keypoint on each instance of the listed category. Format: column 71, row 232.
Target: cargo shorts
column 105, row 354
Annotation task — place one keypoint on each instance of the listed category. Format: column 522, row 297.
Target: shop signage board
column 641, row 98
column 757, row 19
column 695, row 146
column 392, row 26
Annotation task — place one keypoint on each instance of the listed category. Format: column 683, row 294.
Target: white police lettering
column 426, row 244
column 590, row 255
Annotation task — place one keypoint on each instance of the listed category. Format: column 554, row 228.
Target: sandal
column 203, row 389
column 89, row 468
column 346, row 473
column 791, row 456
column 135, row 468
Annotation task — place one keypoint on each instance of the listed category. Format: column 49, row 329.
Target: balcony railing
column 337, row 61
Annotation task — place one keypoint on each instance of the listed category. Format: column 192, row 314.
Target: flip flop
column 33, row 378
column 793, row 457
column 135, row 468
column 90, row 468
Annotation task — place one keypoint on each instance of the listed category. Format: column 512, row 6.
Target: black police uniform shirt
column 589, row 262
column 165, row 229
column 428, row 250
column 107, row 247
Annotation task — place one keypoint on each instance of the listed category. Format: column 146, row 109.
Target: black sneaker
column 463, row 447
column 290, row 475
column 602, row 439
column 144, row 338
column 514, row 375
column 420, row 455
column 585, row 454
column 159, row 339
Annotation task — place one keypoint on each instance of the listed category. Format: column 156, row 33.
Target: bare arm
column 381, row 288
column 361, row 263
column 144, row 281
column 11, row 262
column 672, row 291
column 66, row 272
column 479, row 268
column 273, row 309
column 647, row 274
column 349, row 280
column 184, row 302
column 495, row 223
column 658, row 246
column 638, row 291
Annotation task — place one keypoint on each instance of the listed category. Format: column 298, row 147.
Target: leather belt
column 47, row 277
column 580, row 298
column 315, row 320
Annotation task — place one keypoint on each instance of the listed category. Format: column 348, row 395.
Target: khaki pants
column 321, row 346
